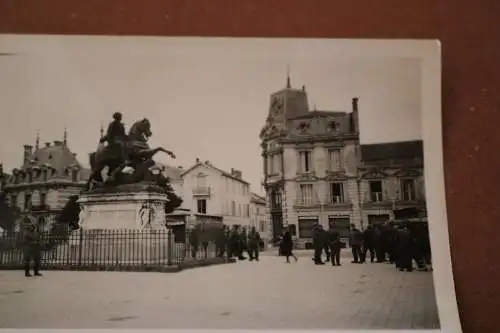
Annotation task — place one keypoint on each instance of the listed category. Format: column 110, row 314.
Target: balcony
column 338, row 202
column 307, row 203
column 377, row 200
column 202, row 191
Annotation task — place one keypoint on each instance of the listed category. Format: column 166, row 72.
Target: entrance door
column 376, row 219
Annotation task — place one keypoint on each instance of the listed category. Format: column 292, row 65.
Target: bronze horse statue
column 139, row 153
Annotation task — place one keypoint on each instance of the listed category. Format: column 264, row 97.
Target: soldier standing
column 253, row 244
column 356, row 241
column 31, row 248
column 334, row 242
column 368, row 244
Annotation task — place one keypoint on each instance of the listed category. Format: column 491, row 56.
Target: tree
column 8, row 215
column 174, row 201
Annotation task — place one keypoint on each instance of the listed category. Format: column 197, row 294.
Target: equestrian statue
column 123, row 150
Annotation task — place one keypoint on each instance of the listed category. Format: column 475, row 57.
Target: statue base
column 132, row 206
column 125, row 227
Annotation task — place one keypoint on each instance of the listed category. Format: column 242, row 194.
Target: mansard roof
column 319, row 113
column 392, row 152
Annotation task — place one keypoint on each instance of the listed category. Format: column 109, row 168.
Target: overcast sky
column 205, row 97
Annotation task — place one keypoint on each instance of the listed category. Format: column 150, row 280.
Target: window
column 262, row 226
column 44, row 172
column 27, row 201
column 306, row 194
column 74, row 175
column 334, row 161
column 305, row 161
column 233, row 208
column 275, row 199
column 306, row 226
column 376, row 190
column 30, row 176
column 337, row 193
column 239, row 209
column 270, row 165
column 201, row 206
column 43, row 199
column 201, row 180
column 247, row 210
column 408, row 189
column 13, row 200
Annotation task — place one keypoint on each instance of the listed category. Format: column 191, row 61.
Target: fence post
column 80, row 247
column 169, row 246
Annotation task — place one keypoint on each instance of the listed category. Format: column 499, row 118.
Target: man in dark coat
column 356, row 242
column 31, row 248
column 377, row 244
column 368, row 243
column 318, row 244
column 405, row 249
column 253, row 244
column 335, row 246
column 117, row 137
column 220, row 241
column 326, row 243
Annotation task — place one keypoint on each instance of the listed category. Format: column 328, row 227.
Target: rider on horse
column 116, row 137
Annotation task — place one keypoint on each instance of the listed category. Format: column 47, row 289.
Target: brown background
column 470, row 37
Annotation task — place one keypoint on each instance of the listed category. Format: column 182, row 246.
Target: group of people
column 400, row 244
column 233, row 242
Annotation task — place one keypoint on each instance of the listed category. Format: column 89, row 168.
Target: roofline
column 222, row 172
column 391, row 142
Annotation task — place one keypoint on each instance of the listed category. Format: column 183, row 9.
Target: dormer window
column 74, row 175
column 332, row 126
column 303, row 126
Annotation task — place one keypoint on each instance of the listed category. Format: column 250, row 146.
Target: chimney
column 355, row 116
column 28, row 151
column 58, row 143
column 236, row 173
column 355, row 104
column 47, row 144
column 180, row 167
column 207, row 162
column 197, row 160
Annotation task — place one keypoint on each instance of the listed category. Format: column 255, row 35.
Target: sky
column 206, row 97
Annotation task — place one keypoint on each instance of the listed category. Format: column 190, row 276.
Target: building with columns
column 46, row 178
column 316, row 170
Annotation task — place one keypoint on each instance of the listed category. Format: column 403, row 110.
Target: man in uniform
column 368, row 244
column 253, row 244
column 31, row 248
column 116, row 137
column 334, row 243
column 356, row 242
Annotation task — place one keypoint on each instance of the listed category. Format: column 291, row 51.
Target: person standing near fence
column 31, row 248
column 194, row 242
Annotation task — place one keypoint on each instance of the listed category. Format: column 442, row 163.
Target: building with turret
column 46, row 178
column 317, row 172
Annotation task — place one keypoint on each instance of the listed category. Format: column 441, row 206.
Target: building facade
column 46, row 179
column 316, row 170
column 209, row 190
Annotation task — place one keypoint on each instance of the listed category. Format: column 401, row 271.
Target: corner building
column 314, row 171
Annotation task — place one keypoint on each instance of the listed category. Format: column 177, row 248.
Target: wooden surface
column 470, row 36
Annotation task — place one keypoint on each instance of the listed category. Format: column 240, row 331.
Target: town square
column 200, row 196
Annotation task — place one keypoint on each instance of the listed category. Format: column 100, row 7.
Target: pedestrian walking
column 318, row 244
column 287, row 246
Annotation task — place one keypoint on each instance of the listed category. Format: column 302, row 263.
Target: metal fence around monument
column 133, row 249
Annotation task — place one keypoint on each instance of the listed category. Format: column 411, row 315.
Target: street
column 265, row 295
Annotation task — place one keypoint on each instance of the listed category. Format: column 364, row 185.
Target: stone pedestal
column 122, row 210
column 124, row 227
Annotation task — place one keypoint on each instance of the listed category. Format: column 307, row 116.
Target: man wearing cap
column 31, row 248
column 117, row 137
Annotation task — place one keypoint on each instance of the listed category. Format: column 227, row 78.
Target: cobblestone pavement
column 265, row 295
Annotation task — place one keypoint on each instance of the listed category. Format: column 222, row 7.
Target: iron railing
column 104, row 248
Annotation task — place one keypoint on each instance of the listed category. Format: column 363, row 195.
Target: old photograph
column 222, row 183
